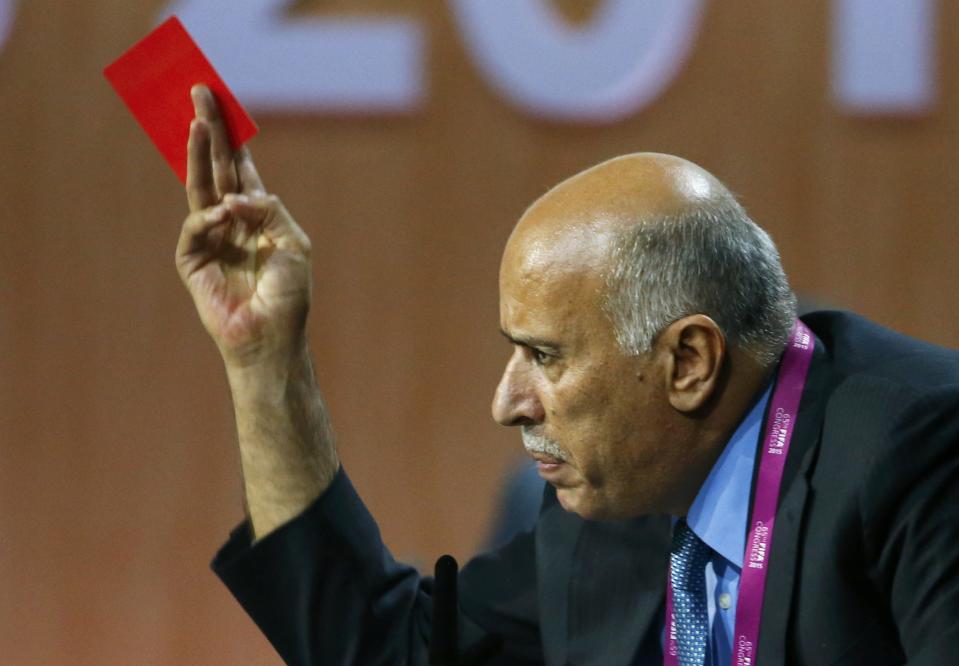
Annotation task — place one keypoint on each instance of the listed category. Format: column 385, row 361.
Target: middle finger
column 224, row 169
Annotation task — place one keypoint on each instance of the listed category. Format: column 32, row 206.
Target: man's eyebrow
column 530, row 341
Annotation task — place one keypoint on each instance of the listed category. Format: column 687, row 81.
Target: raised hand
column 247, row 265
column 242, row 257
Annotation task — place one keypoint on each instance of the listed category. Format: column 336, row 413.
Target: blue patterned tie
column 688, row 559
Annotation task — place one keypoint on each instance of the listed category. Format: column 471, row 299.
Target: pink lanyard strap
column 777, row 434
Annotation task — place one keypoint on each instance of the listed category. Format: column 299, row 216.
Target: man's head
column 645, row 310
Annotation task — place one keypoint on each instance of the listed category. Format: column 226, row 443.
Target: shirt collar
column 720, row 511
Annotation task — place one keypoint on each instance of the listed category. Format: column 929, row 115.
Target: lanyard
column 777, row 433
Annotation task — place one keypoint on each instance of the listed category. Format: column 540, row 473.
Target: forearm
column 286, row 443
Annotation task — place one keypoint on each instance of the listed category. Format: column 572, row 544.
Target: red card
column 154, row 79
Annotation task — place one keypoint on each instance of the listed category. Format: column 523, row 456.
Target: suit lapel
column 601, row 586
column 777, row 602
column 556, row 535
column 617, row 590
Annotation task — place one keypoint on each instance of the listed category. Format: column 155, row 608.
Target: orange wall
column 118, row 471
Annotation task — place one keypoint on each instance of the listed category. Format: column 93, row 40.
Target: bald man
column 726, row 484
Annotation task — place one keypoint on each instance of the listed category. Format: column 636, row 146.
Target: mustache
column 536, row 443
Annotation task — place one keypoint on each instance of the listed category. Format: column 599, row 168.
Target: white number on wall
column 603, row 71
column 7, row 10
column 883, row 55
column 276, row 63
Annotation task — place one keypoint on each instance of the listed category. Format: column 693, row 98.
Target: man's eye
column 540, row 357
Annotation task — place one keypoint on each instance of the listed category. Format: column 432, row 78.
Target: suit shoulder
column 862, row 353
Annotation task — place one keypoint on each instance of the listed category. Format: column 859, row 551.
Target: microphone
column 443, row 643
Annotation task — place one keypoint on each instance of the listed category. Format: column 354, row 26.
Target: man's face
column 595, row 419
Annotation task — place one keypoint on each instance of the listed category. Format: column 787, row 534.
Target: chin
column 583, row 504
column 589, row 506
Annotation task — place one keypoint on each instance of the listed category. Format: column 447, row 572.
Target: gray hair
column 709, row 259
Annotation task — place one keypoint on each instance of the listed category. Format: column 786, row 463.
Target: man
column 655, row 357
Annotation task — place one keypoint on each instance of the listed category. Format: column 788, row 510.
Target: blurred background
column 406, row 136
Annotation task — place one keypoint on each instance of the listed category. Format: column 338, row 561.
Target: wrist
column 269, row 377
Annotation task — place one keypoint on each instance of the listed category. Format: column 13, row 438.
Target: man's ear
column 695, row 349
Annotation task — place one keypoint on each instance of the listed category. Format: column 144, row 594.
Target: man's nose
column 516, row 401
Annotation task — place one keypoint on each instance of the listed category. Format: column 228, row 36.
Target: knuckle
column 189, row 222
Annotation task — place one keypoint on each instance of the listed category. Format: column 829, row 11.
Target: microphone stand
column 444, row 639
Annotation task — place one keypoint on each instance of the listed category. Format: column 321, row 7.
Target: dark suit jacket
column 864, row 560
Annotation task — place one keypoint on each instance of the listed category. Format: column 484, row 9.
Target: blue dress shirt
column 718, row 516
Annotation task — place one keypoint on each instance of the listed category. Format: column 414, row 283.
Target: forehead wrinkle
column 570, row 256
column 541, row 253
column 552, row 292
